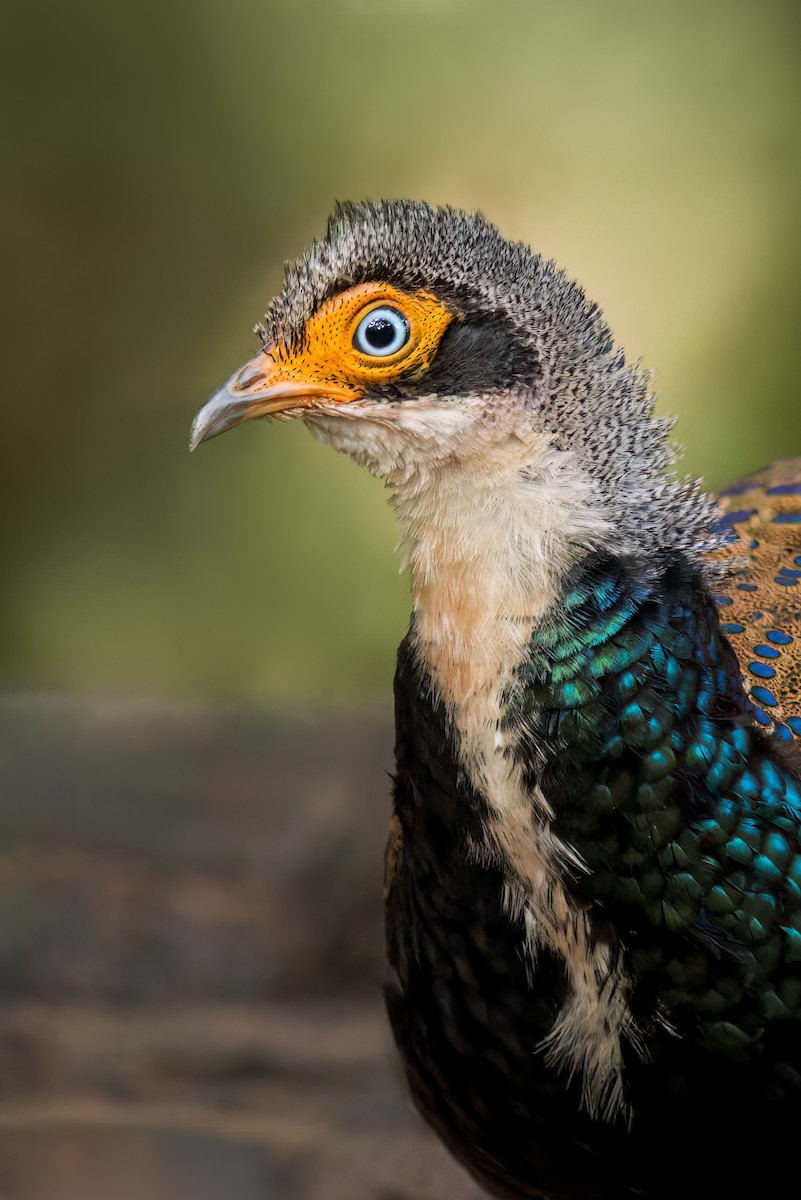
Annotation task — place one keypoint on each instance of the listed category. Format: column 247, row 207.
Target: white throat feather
column 491, row 527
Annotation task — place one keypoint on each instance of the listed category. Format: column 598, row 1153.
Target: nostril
column 249, row 377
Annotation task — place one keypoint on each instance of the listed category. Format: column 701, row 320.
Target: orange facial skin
column 328, row 354
column 327, row 369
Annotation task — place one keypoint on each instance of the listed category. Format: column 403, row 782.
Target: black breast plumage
column 471, row 1005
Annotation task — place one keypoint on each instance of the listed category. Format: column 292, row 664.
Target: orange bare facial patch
column 329, row 355
column 364, row 338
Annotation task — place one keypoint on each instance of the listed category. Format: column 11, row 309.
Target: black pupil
column 380, row 333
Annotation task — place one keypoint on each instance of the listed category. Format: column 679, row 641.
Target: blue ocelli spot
column 747, row 587
column 736, row 489
column 735, row 518
column 795, row 724
column 785, row 582
column 785, row 489
column 764, row 696
column 791, row 518
column 791, row 571
column 734, row 627
column 723, row 525
column 722, row 601
column 782, row 734
column 761, row 670
column 761, row 716
column 779, row 638
column 766, row 651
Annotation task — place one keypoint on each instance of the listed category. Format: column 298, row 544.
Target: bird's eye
column 382, row 332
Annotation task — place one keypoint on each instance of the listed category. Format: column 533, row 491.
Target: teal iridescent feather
column 662, row 774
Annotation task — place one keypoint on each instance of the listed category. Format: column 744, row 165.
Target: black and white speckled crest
column 461, row 258
column 581, row 389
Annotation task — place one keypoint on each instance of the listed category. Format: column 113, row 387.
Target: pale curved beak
column 263, row 386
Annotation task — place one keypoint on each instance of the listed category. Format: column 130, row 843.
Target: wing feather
column 760, row 610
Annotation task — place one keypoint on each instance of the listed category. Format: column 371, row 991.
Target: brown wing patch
column 760, row 610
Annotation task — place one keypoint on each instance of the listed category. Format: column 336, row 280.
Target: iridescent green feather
column 684, row 803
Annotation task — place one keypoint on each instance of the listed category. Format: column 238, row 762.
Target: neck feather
column 487, row 551
column 488, row 560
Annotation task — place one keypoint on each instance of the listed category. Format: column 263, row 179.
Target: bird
column 593, row 871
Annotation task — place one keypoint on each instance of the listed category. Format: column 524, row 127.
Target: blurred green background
column 163, row 158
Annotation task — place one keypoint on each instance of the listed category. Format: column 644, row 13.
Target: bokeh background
column 163, row 158
column 196, row 652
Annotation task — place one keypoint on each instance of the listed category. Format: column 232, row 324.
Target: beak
column 261, row 387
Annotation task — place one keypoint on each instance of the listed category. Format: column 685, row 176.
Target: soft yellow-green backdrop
column 164, row 157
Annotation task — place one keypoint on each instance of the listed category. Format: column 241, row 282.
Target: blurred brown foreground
column 190, row 960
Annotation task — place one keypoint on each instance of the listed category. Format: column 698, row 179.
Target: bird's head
column 426, row 346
